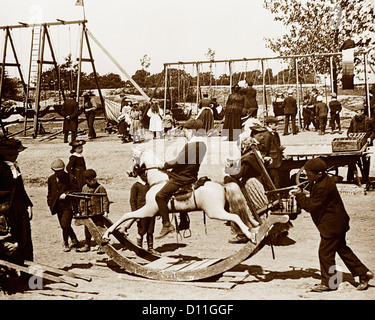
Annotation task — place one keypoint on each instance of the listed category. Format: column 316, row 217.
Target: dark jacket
column 70, row 108
column 138, row 195
column 276, row 151
column 250, row 98
column 321, row 109
column 56, row 189
column 335, row 106
column 363, row 124
column 186, row 165
column 290, row 106
column 326, row 207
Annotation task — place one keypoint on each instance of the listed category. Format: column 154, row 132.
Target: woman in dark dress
column 233, row 112
column 13, row 193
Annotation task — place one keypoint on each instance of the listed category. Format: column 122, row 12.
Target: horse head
column 138, row 163
column 143, row 160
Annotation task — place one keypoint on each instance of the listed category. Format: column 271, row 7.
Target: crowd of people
column 69, row 181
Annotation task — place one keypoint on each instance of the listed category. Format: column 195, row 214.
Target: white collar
column 77, row 154
column 141, row 181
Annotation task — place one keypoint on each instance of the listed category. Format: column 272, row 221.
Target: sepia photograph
column 202, row 153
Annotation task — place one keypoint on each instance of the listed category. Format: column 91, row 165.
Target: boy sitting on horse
column 184, row 171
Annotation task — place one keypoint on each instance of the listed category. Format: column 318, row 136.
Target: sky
column 165, row 30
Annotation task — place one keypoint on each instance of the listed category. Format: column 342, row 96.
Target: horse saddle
column 185, row 192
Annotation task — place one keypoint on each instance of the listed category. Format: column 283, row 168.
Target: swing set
column 294, row 64
column 33, row 84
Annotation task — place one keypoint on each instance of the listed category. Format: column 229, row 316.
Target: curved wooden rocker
column 171, row 269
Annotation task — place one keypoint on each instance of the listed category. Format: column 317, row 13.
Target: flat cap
column 89, row 174
column 316, row 165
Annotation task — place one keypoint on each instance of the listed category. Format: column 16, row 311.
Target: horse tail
column 237, row 203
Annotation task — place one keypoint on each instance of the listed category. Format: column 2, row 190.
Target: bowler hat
column 316, row 165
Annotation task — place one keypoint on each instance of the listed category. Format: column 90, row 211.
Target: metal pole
column 165, row 86
column 265, row 107
column 197, row 84
column 297, row 92
column 230, row 77
column 331, row 73
column 366, row 85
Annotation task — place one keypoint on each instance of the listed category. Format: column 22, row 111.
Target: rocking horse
column 210, row 197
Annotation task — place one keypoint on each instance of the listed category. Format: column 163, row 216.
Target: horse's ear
column 138, row 150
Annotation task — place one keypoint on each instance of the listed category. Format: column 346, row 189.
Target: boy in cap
column 184, row 171
column 59, row 185
column 335, row 109
column 96, row 204
column 330, row 217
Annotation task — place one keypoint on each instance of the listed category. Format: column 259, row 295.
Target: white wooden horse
column 210, row 197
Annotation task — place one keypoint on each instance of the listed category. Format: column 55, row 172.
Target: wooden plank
column 43, row 275
column 180, row 265
column 195, row 265
column 162, row 263
column 57, row 270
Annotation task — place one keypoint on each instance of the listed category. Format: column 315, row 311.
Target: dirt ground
column 289, row 276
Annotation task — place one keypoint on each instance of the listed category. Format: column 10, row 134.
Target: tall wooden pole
column 3, row 64
column 80, row 62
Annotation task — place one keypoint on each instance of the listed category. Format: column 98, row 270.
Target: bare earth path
column 290, row 276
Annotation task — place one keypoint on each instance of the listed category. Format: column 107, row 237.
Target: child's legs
column 65, row 220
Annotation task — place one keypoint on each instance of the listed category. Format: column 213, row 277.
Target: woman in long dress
column 156, row 123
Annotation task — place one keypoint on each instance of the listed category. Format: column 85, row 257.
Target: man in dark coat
column 330, row 217
column 70, row 111
column 59, row 186
column 185, row 168
column 89, row 107
column 290, row 112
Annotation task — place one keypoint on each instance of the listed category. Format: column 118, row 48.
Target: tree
column 322, row 26
column 145, row 62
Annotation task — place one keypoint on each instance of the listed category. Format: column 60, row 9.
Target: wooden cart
column 299, row 155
